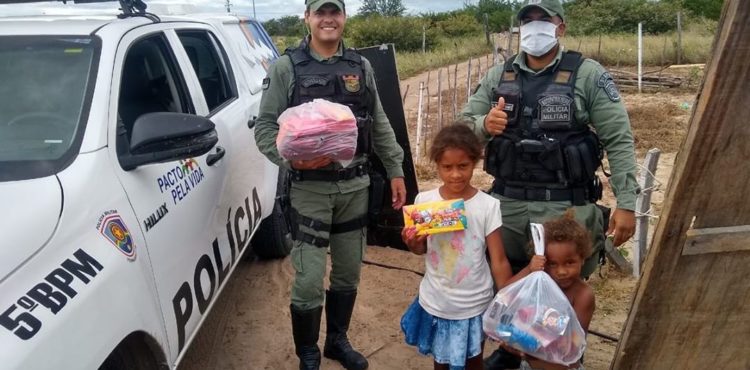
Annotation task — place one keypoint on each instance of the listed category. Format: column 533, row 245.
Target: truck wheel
column 272, row 240
column 131, row 353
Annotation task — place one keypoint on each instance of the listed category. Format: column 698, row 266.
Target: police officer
column 328, row 203
column 536, row 112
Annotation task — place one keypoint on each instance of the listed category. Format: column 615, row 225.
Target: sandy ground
column 249, row 327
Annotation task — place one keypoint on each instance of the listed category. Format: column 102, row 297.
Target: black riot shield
column 386, row 231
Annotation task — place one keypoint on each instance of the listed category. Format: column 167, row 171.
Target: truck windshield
column 44, row 97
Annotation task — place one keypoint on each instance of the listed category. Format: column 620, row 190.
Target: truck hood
column 28, row 218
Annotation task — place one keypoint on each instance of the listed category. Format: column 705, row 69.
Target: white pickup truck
column 130, row 183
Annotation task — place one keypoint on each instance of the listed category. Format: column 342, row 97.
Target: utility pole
column 254, row 17
column 229, row 6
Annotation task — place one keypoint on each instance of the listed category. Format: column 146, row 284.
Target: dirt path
column 249, row 327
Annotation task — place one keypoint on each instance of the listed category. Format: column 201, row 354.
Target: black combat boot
column 305, row 328
column 339, row 307
column 501, row 360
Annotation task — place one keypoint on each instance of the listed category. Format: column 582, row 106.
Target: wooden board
column 717, row 240
column 693, row 311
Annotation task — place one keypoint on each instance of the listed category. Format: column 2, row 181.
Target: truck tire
column 272, row 240
column 131, row 353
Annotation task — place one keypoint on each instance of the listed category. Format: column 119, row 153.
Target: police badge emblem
column 351, row 83
column 113, row 228
column 556, row 112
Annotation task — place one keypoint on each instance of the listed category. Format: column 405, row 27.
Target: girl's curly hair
column 456, row 136
column 567, row 229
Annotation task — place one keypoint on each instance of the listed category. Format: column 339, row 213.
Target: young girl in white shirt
column 445, row 321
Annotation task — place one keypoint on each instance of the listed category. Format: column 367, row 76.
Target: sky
column 264, row 9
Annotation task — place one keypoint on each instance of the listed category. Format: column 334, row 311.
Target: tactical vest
column 343, row 82
column 544, row 153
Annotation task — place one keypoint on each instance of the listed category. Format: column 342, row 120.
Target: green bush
column 460, row 25
column 283, row 42
column 620, row 16
column 404, row 32
column 291, row 25
column 499, row 13
column 446, row 52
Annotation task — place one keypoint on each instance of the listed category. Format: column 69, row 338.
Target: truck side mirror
column 166, row 136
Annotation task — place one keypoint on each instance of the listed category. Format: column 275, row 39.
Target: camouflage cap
column 551, row 7
column 316, row 4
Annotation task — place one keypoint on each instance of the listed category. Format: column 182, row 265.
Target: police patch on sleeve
column 266, row 83
column 612, row 92
column 607, row 83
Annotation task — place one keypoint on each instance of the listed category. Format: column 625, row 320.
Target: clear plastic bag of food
column 319, row 128
column 534, row 316
column 436, row 217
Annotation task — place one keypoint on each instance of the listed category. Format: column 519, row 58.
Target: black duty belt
column 320, row 226
column 330, row 175
column 575, row 195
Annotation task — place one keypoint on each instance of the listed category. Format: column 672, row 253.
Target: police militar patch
column 351, row 83
column 555, row 108
column 612, row 92
column 604, row 79
column 607, row 83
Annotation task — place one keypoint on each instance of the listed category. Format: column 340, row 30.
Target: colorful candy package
column 436, row 217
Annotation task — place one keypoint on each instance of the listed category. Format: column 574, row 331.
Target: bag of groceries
column 319, row 128
column 534, row 316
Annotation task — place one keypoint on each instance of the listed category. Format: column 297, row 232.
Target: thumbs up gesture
column 496, row 119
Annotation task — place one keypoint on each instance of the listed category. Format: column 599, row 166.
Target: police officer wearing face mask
column 329, row 203
column 536, row 113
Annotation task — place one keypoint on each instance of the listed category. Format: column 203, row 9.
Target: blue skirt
column 448, row 341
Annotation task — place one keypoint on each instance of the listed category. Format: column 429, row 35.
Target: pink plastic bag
column 319, row 128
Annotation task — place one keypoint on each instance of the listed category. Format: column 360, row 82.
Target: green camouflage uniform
column 330, row 202
column 597, row 104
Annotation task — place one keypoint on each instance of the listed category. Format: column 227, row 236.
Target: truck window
column 260, row 35
column 151, row 82
column 46, row 84
column 210, row 64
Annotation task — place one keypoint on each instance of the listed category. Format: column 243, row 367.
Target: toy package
column 436, row 217
column 534, row 316
column 319, row 128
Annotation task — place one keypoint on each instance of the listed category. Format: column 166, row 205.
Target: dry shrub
column 658, row 124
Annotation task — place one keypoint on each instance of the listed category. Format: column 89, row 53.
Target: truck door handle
column 213, row 158
column 251, row 122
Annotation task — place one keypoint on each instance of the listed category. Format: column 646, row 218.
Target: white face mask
column 538, row 37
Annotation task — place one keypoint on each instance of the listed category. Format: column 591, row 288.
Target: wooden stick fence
column 425, row 128
column 643, row 208
column 455, row 90
column 419, row 123
column 468, row 81
column 440, row 99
